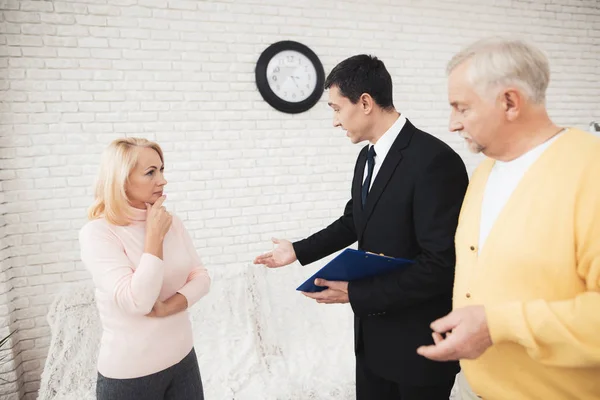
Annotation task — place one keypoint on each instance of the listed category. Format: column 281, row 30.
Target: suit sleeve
column 338, row 235
column 438, row 196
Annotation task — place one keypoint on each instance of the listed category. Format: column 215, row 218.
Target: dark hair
column 362, row 74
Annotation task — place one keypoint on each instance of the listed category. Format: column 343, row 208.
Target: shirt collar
column 385, row 142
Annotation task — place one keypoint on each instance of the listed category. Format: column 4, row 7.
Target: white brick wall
column 78, row 73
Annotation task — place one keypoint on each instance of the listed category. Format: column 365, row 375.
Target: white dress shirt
column 383, row 146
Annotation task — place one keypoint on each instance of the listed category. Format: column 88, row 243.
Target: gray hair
column 498, row 62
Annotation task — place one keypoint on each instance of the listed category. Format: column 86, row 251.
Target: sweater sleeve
column 563, row 333
column 133, row 290
column 198, row 281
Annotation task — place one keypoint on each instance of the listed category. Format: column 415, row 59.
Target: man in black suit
column 407, row 192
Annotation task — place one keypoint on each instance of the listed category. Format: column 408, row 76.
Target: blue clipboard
column 351, row 265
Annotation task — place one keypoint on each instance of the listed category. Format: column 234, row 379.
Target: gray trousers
column 464, row 389
column 178, row 382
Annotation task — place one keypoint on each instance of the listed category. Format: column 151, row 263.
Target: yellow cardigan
column 538, row 276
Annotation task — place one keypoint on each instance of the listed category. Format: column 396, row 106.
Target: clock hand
column 295, row 83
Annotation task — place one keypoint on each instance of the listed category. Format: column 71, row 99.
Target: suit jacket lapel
column 385, row 173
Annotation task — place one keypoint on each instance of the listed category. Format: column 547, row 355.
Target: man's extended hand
column 467, row 335
column 282, row 255
column 336, row 294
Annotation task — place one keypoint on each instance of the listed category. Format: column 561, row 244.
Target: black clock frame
column 263, row 86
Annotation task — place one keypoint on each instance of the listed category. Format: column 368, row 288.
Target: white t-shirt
column 503, row 180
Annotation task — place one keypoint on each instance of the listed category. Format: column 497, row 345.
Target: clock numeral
column 275, row 78
column 302, row 92
column 278, row 87
column 294, row 95
column 308, row 86
column 276, row 70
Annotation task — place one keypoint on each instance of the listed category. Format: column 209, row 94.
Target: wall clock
column 290, row 76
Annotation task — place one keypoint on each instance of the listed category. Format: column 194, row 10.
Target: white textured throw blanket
column 70, row 371
column 255, row 337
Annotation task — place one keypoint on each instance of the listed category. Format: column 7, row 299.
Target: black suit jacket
column 411, row 212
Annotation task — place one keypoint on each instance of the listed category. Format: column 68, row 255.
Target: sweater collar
column 136, row 214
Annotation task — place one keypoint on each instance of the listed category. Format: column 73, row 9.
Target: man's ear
column 512, row 102
column 366, row 102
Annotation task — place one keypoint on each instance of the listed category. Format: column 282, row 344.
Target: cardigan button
column 472, row 248
column 468, row 295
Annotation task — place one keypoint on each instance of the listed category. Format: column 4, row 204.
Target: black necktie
column 370, row 165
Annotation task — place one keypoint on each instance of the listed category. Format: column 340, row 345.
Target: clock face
column 291, row 76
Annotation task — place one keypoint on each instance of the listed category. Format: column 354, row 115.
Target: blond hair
column 501, row 62
column 118, row 160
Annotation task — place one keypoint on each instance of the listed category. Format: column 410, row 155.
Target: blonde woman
column 147, row 273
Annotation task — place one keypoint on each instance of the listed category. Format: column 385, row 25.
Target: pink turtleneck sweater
column 128, row 283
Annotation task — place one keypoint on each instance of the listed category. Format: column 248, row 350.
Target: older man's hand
column 466, row 335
